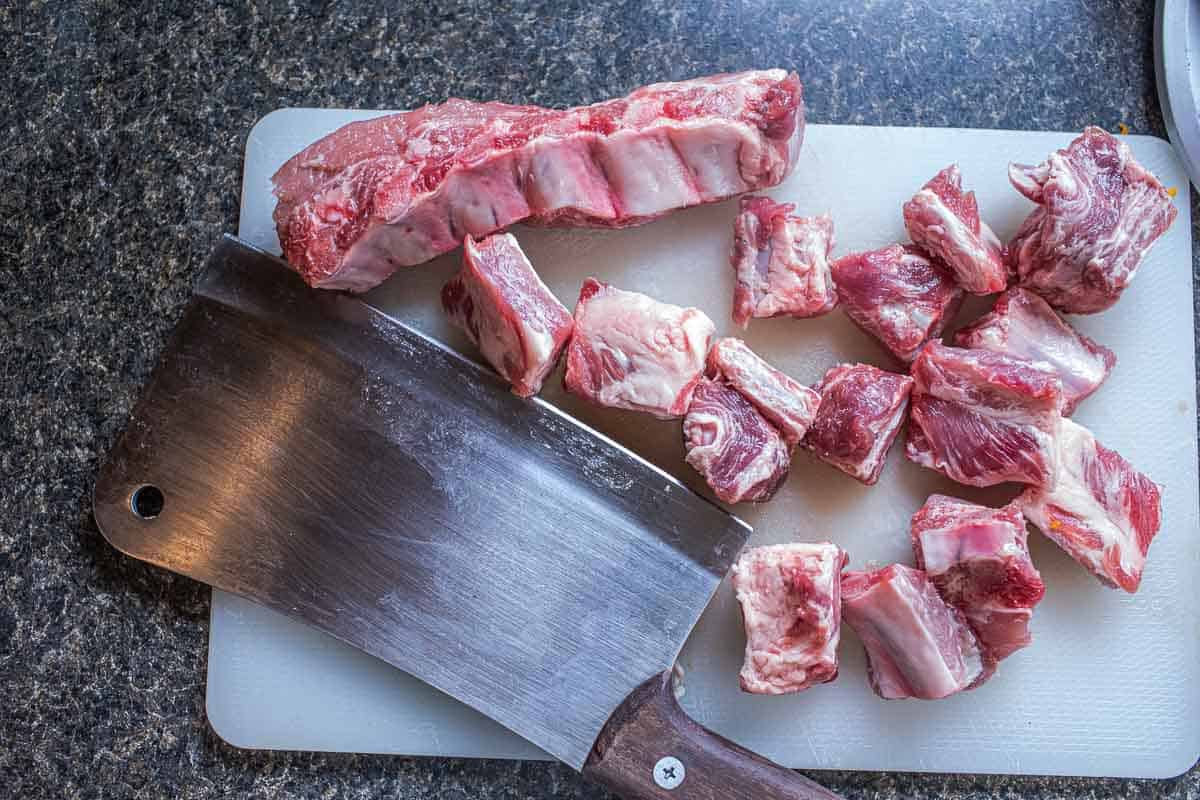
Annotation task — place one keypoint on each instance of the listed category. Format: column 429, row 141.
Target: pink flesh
column 506, row 310
column 944, row 221
column 743, row 458
column 781, row 263
column 631, row 351
column 978, row 558
column 862, row 408
column 1099, row 212
column 983, row 418
column 898, row 295
column 917, row 646
column 786, row 403
column 791, row 601
column 1024, row 325
column 1102, row 511
column 396, row 191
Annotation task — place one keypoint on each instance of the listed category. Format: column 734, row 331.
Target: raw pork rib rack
column 396, row 191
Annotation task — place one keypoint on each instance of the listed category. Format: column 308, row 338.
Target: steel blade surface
column 337, row 466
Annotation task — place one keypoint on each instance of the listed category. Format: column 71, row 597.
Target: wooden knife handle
column 651, row 750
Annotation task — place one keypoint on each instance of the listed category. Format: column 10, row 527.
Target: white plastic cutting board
column 1110, row 686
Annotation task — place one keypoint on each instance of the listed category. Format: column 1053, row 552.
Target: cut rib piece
column 1102, row 511
column 983, row 418
column 1024, row 325
column 398, row 190
column 506, row 310
column 787, row 404
column 739, row 453
column 631, row 351
column 917, row 646
column 780, row 262
column 898, row 295
column 944, row 221
column 862, row 408
column 791, row 599
column 1098, row 213
column 978, row 558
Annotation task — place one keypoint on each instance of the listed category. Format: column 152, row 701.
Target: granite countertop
column 123, row 127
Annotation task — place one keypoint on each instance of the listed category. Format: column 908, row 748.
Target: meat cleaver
column 301, row 449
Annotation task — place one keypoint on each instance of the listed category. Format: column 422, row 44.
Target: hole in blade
column 147, row 502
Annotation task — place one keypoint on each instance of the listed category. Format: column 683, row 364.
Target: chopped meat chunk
column 862, row 408
column 739, row 453
column 917, row 646
column 1098, row 213
column 898, row 295
column 631, row 351
column 789, row 405
column 1101, row 510
column 791, row 599
column 944, row 221
column 506, row 310
column 398, row 190
column 978, row 558
column 983, row 418
column 781, row 262
column 1024, row 325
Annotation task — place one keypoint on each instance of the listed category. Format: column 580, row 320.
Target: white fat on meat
column 790, row 596
column 1022, row 324
column 631, row 351
column 786, row 403
column 917, row 645
column 502, row 305
column 1100, row 510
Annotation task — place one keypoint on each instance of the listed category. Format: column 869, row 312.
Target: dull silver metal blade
column 320, row 458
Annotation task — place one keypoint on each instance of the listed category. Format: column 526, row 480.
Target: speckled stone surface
column 121, row 133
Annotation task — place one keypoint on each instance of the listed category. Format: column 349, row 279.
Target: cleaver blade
column 302, row 449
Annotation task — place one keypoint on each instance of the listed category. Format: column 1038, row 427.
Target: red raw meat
column 398, row 190
column 862, row 408
column 983, row 418
column 739, row 453
column 1101, row 510
column 944, row 221
column 786, row 403
column 898, row 295
column 506, row 310
column 631, row 351
column 1024, row 325
column 780, row 262
column 917, row 646
column 791, row 599
column 1098, row 213
column 978, row 558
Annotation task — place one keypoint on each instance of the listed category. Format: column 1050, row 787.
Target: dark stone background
column 122, row 132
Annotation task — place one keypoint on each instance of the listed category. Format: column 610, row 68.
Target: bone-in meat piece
column 898, row 294
column 1101, row 510
column 791, row 599
column 1024, row 325
column 1099, row 211
column 983, row 418
column 631, row 351
column 788, row 404
column 506, row 310
column 917, row 645
column 741, row 455
column 398, row 190
column 978, row 558
column 780, row 262
column 944, row 221
column 862, row 408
